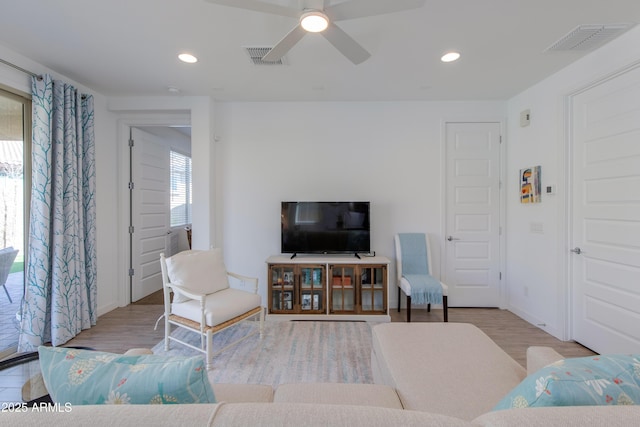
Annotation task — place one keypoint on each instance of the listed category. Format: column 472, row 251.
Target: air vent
column 257, row 53
column 588, row 37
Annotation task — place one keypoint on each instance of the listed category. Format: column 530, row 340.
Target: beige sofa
column 444, row 374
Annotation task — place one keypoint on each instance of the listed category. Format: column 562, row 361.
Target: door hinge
column 131, row 185
column 131, row 272
column 500, row 139
column 131, row 143
column 501, row 275
column 131, row 229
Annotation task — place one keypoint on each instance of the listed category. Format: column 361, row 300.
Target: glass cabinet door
column 373, row 289
column 282, row 279
column 342, row 281
column 312, row 283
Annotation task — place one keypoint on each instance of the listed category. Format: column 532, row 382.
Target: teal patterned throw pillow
column 594, row 380
column 84, row 377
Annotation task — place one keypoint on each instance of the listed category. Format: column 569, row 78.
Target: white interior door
column 472, row 255
column 149, row 211
column 605, row 227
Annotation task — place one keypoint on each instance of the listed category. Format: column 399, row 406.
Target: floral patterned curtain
column 61, row 288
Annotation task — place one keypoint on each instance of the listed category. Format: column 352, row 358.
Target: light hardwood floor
column 132, row 326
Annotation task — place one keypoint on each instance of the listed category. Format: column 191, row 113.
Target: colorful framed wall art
column 530, row 185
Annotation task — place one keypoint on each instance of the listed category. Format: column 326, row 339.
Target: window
column 180, row 180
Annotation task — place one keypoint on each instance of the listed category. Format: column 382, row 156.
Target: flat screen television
column 325, row 228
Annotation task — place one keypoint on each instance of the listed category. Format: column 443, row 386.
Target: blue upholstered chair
column 413, row 273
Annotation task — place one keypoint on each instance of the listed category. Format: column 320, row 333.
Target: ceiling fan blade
column 259, row 6
column 312, row 4
column 284, row 45
column 362, row 8
column 345, row 44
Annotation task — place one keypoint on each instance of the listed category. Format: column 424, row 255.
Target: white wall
column 538, row 262
column 388, row 153
column 106, row 179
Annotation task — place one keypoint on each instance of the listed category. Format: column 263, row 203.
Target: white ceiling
column 130, row 47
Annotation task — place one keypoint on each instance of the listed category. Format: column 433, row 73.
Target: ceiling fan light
column 188, row 58
column 450, row 57
column 314, row 21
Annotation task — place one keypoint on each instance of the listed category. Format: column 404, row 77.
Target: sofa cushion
column 85, row 377
column 109, row 416
column 566, row 416
column 594, row 380
column 538, row 357
column 378, row 395
column 309, row 414
column 223, row 306
column 202, row 272
column 242, row 393
column 447, row 368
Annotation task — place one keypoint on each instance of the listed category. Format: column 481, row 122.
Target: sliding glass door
column 15, row 171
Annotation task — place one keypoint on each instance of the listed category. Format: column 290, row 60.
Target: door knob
column 576, row 250
column 451, row 238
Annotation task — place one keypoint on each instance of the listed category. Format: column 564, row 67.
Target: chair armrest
column 538, row 357
column 187, row 293
column 246, row 280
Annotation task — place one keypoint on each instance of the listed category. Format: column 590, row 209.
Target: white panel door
column 605, row 239
column 472, row 255
column 150, row 211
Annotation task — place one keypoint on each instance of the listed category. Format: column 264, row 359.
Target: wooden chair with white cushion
column 419, row 257
column 203, row 300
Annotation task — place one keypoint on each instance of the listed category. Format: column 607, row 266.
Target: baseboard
column 551, row 330
column 107, row 308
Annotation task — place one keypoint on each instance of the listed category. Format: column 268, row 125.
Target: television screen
column 325, row 227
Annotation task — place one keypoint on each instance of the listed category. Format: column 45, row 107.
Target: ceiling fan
column 315, row 17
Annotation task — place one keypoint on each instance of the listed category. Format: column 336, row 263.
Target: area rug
column 289, row 352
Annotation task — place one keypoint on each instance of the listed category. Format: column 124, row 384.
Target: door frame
column 565, row 240
column 124, row 127
column 25, row 99
column 503, row 297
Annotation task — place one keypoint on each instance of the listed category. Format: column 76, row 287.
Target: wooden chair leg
column 408, row 308
column 399, row 296
column 429, row 308
column 445, row 308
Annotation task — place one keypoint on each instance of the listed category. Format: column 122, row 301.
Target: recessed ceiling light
column 188, row 58
column 314, row 21
column 450, row 57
